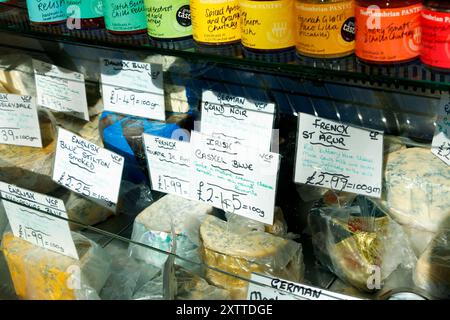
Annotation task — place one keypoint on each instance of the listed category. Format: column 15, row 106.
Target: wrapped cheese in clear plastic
column 240, row 252
column 193, row 287
column 17, row 73
column 41, row 274
column 31, row 168
column 432, row 272
column 359, row 243
column 170, row 219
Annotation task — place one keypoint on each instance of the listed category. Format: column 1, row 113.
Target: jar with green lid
column 125, row 17
column 47, row 12
column 168, row 19
column 325, row 28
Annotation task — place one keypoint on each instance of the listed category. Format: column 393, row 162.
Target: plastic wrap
column 243, row 251
column 17, row 73
column 31, row 168
column 170, row 218
column 40, row 274
column 193, row 287
column 432, row 271
column 359, row 243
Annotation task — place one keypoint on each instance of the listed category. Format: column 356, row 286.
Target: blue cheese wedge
column 168, row 220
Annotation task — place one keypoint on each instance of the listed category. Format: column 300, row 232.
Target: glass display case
column 322, row 243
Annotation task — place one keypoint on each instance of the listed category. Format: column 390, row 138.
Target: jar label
column 47, row 10
column 267, row 24
column 435, row 39
column 168, row 19
column 124, row 15
column 325, row 29
column 85, row 9
column 215, row 21
column 388, row 35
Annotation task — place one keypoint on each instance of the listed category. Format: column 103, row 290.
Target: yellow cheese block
column 40, row 274
column 243, row 253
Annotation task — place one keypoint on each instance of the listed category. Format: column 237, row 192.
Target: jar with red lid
column 388, row 31
column 435, row 50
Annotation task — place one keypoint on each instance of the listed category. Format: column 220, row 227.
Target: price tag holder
column 60, row 89
column 87, row 169
column 19, row 121
column 169, row 163
column 134, row 88
column 337, row 156
column 27, row 222
column 234, row 178
column 244, row 121
column 279, row 289
column 441, row 140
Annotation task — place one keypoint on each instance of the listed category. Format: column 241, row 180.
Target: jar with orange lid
column 267, row 25
column 215, row 22
column 325, row 28
column 388, row 31
column 435, row 51
column 47, row 12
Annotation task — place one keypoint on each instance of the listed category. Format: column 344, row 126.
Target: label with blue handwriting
column 133, row 88
column 87, row 169
column 338, row 156
column 19, row 122
column 245, row 121
column 60, row 89
column 169, row 163
column 235, row 178
column 441, row 140
column 27, row 214
column 279, row 289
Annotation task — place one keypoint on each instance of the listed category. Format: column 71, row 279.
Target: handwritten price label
column 88, row 169
column 234, row 178
column 26, row 214
column 60, row 89
column 134, row 88
column 441, row 140
column 337, row 156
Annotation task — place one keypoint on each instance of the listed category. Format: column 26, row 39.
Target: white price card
column 279, row 289
column 169, row 163
column 134, row 88
column 27, row 214
column 230, row 117
column 87, row 169
column 338, row 156
column 60, row 89
column 441, row 140
column 234, row 178
column 19, row 122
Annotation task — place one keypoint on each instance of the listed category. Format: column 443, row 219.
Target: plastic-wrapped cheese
column 17, row 73
column 154, row 227
column 41, row 274
column 416, row 189
column 193, row 287
column 433, row 267
column 243, row 253
column 28, row 167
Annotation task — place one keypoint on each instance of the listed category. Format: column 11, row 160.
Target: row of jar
column 378, row 31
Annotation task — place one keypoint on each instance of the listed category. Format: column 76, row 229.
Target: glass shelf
column 411, row 77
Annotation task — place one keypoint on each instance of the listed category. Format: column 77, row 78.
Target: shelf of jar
column 410, row 77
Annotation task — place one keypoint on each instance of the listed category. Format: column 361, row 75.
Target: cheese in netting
column 243, row 253
column 41, row 274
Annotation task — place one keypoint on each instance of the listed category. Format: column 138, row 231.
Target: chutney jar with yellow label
column 215, row 22
column 267, row 26
column 325, row 28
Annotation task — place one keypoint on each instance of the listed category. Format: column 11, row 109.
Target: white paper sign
column 234, row 178
column 134, row 88
column 60, row 89
column 280, row 289
column 229, row 117
column 21, row 207
column 441, row 141
column 337, row 156
column 169, row 163
column 87, row 169
column 19, row 122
